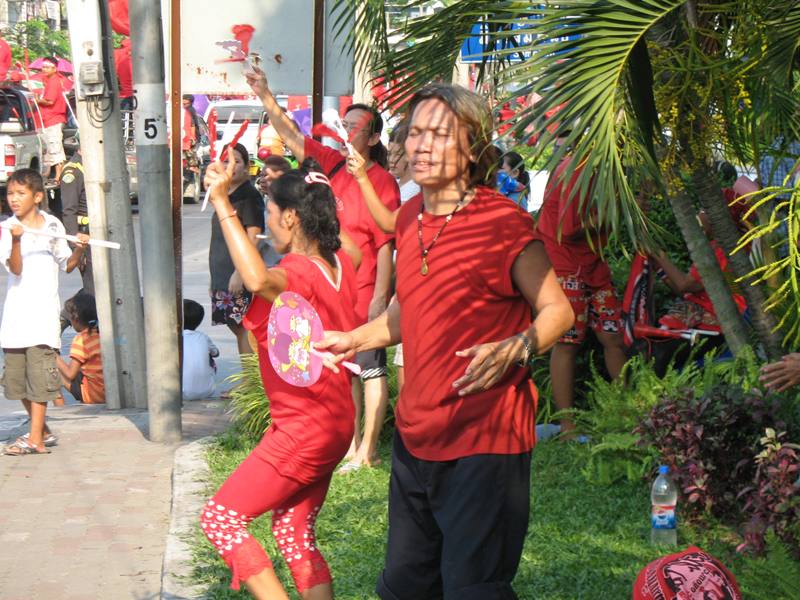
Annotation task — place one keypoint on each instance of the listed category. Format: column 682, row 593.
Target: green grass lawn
column 584, row 541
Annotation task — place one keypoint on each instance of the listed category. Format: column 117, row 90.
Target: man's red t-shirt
column 122, row 60
column 467, row 298
column 53, row 91
column 571, row 254
column 311, row 426
column 355, row 218
column 5, row 59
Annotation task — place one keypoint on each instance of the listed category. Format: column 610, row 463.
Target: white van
column 242, row 110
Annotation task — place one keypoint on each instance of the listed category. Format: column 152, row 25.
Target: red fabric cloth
column 355, row 218
column 53, row 91
column 467, row 298
column 702, row 298
column 687, row 575
column 311, row 426
column 5, row 59
column 244, row 34
column 122, row 60
column 572, row 254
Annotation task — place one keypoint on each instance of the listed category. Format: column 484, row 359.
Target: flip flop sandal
column 348, row 467
column 50, row 440
column 23, row 449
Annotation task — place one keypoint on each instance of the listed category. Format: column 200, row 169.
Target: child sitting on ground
column 30, row 332
column 83, row 374
column 199, row 368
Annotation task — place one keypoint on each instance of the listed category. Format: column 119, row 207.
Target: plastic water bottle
column 663, row 498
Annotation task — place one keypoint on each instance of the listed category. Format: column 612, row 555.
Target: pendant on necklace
column 424, row 267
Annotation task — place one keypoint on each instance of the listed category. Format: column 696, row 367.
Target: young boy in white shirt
column 30, row 331
column 199, row 369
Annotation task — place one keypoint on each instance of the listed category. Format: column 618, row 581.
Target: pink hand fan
column 293, row 327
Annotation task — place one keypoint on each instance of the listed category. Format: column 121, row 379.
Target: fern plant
column 772, row 577
column 249, row 404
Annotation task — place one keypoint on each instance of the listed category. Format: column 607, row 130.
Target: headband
column 317, row 177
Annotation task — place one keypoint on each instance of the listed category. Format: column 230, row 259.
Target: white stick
column 64, row 236
column 225, row 132
column 343, row 134
column 356, row 369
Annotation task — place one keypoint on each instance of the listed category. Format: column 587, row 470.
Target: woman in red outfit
column 289, row 471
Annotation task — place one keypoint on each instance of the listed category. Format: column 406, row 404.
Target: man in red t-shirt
column 374, row 275
column 53, row 109
column 122, row 62
column 5, row 58
column 564, row 226
column 470, row 277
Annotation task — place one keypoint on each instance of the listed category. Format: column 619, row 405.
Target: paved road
column 196, row 235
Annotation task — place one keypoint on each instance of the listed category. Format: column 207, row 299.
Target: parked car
column 21, row 145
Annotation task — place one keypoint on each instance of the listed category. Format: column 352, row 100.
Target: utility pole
column 155, row 217
column 116, row 274
column 318, row 62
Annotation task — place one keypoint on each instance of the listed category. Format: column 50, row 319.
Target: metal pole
column 318, row 72
column 116, row 273
column 155, row 214
column 177, row 163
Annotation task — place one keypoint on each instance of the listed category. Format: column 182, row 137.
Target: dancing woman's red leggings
column 254, row 488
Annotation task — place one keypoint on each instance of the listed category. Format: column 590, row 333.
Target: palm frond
column 590, row 58
column 365, row 24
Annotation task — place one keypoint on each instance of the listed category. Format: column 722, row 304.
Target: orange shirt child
column 85, row 349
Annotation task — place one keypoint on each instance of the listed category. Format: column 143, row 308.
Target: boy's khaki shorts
column 31, row 374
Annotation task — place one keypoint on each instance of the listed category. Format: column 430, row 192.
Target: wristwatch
column 523, row 362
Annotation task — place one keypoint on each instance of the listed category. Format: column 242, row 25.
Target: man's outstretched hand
column 783, row 374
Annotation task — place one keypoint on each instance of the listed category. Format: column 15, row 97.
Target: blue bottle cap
column 663, row 469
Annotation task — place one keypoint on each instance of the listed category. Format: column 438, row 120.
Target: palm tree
column 651, row 90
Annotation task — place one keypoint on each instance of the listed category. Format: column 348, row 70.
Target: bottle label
column 662, row 516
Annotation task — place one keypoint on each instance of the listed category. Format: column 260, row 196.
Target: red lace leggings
column 253, row 489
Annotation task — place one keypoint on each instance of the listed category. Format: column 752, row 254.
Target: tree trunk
column 733, row 327
column 727, row 235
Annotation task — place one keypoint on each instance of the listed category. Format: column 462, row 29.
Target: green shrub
column 249, row 404
column 614, row 410
column 772, row 577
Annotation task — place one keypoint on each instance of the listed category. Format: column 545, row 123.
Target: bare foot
column 362, row 461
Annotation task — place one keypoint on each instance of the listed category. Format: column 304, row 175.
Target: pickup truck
column 20, row 145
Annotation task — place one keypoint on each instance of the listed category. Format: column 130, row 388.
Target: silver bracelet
column 528, row 349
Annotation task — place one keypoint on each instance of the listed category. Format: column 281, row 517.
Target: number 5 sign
column 150, row 117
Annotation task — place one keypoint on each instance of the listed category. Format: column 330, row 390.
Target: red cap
column 688, row 575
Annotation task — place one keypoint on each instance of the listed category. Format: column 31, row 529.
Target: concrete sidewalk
column 91, row 520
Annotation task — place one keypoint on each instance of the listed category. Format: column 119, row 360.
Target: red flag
column 235, row 139
column 212, row 133
column 322, row 130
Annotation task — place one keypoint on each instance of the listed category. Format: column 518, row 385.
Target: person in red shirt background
column 563, row 227
column 53, row 110
column 122, row 61
column 374, row 276
column 5, row 59
column 470, row 277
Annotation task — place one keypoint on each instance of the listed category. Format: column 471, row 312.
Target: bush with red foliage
column 709, row 442
column 773, row 501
